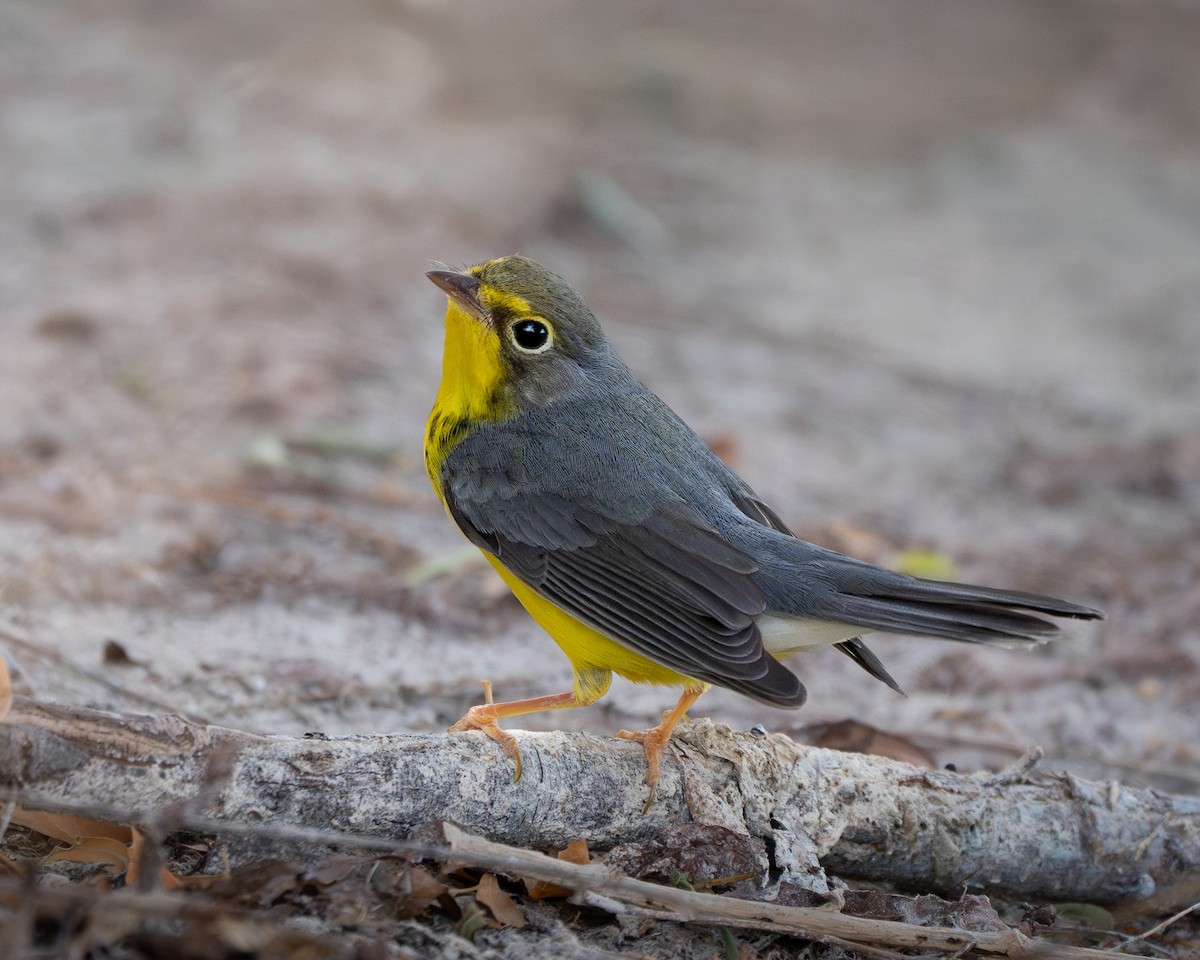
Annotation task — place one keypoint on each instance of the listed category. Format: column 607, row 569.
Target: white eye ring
column 531, row 335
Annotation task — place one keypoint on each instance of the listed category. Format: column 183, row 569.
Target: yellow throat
column 471, row 373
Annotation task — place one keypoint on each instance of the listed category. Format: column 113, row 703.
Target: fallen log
column 728, row 802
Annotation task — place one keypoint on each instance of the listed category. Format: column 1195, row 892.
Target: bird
column 637, row 549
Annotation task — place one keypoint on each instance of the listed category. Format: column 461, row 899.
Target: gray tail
column 881, row 600
column 861, row 654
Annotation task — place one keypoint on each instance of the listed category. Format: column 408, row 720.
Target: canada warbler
column 628, row 540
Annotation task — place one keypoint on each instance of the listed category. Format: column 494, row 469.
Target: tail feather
column 891, row 601
column 837, row 589
column 950, row 621
column 850, row 592
column 937, row 591
column 865, row 657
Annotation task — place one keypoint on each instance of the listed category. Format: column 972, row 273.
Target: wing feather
column 659, row 580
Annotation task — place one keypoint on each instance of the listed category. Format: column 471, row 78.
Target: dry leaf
column 411, row 889
column 575, row 852
column 503, row 907
column 335, row 870
column 88, row 841
column 855, row 737
column 115, row 655
column 137, row 844
column 6, row 694
column 112, row 854
column 68, row 827
column 166, row 879
column 419, row 889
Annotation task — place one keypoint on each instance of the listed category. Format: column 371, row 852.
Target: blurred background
column 926, row 274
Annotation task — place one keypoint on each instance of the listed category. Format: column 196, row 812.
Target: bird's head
column 516, row 336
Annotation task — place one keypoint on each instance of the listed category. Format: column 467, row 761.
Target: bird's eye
column 530, row 336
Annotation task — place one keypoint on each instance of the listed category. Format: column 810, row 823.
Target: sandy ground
column 926, row 273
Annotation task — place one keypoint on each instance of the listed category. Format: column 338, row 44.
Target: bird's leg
column 589, row 687
column 654, row 739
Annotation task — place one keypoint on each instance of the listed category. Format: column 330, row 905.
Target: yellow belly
column 589, row 651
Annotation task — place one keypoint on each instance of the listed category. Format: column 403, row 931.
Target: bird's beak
column 462, row 288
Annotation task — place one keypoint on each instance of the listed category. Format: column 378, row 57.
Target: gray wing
column 642, row 566
column 752, row 506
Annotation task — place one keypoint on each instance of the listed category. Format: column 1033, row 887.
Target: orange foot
column 653, row 740
column 483, row 718
column 656, row 738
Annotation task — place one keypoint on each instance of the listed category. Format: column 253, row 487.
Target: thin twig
column 1155, row 930
column 687, row 907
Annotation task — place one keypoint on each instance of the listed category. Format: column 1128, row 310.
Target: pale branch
column 728, row 803
column 598, row 885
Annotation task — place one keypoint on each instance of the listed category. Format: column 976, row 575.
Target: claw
column 656, row 738
column 480, row 718
column 484, row 716
column 653, row 741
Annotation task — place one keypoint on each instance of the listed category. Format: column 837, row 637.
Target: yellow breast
column 587, row 649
